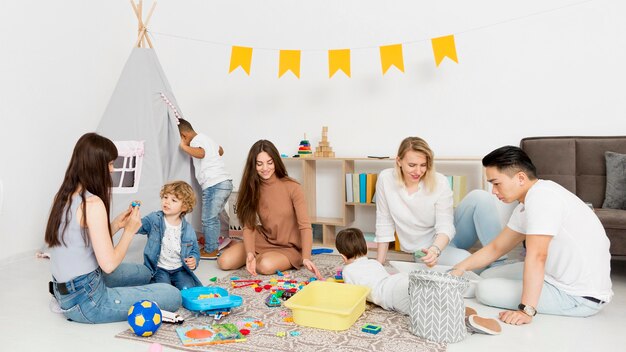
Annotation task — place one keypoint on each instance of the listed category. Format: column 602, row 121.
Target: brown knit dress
column 285, row 226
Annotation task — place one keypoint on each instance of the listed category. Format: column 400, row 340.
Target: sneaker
column 480, row 325
column 209, row 255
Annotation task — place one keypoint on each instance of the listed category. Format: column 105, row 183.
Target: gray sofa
column 578, row 164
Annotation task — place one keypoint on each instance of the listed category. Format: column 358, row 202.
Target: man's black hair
column 511, row 160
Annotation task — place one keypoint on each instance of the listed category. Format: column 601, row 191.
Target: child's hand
column 191, row 262
column 184, row 141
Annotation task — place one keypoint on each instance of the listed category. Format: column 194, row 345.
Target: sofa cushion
column 554, row 158
column 615, row 197
column 612, row 218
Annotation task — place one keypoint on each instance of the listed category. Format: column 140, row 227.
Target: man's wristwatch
column 528, row 310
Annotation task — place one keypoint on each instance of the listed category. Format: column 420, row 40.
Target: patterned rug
column 394, row 336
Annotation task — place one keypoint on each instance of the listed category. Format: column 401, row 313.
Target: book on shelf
column 355, row 187
column 349, row 192
column 458, row 184
column 209, row 334
column 370, row 187
column 362, row 188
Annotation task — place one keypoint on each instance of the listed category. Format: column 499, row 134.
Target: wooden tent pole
column 142, row 27
column 146, row 24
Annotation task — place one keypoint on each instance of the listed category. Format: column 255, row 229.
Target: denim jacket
column 153, row 225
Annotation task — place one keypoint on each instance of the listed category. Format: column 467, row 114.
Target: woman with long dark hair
column 90, row 282
column 271, row 206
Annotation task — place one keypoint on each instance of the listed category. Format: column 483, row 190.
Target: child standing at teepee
column 216, row 183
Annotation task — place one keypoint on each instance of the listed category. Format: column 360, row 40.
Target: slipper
column 480, row 325
column 470, row 311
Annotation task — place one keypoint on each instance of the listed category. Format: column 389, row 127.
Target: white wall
column 523, row 71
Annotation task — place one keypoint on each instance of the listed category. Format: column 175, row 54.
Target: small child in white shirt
column 388, row 291
column 391, row 292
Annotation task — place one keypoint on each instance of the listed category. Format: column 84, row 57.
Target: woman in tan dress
column 277, row 232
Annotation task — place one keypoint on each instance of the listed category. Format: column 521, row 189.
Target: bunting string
column 340, row 59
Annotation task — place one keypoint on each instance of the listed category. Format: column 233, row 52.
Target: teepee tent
column 142, row 118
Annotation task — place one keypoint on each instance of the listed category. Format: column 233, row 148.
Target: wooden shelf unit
column 308, row 170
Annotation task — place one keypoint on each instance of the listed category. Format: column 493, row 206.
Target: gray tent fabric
column 137, row 111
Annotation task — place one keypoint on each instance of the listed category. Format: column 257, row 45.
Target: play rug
column 394, row 335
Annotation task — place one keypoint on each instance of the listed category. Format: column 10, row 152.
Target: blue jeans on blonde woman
column 213, row 200
column 476, row 218
column 97, row 297
column 502, row 287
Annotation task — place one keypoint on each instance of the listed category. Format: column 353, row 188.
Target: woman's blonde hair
column 418, row 145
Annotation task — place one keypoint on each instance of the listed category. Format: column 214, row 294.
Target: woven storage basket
column 437, row 306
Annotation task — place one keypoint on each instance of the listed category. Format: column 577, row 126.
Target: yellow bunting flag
column 240, row 56
column 391, row 55
column 338, row 60
column 444, row 46
column 289, row 60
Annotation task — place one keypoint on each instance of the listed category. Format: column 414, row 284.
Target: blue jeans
column 476, row 218
column 103, row 298
column 213, row 201
column 502, row 287
column 177, row 277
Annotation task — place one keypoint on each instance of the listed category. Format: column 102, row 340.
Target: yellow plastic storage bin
column 328, row 305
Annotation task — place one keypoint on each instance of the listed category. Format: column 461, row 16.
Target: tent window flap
column 127, row 167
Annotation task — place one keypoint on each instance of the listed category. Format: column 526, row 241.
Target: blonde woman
column 415, row 201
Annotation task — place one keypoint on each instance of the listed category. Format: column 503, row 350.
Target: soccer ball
column 144, row 318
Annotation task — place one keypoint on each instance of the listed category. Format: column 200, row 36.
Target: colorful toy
column 419, row 254
column 135, row 204
column 144, row 318
column 210, row 301
column 172, row 317
column 294, row 333
column 272, row 301
column 304, row 150
column 370, row 328
column 244, row 283
column 321, row 251
column 249, row 324
column 288, row 294
column 324, row 150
